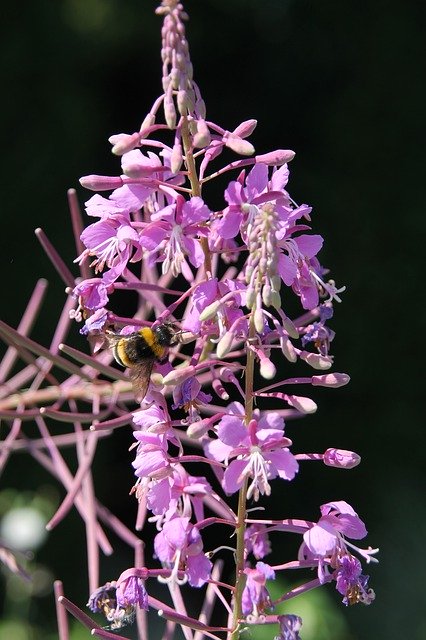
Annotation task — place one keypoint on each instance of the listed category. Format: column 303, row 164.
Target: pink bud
column 169, row 110
column 178, row 375
column 331, row 380
column 305, row 405
column 245, row 129
column 267, row 368
column 202, row 137
column 210, row 311
column 135, row 165
column 198, row 429
column 276, row 158
column 220, row 390
column 149, row 120
column 225, row 344
column 316, row 360
column 237, row 144
column 288, row 349
column 259, row 321
column 123, row 142
column 290, row 327
column 341, row 458
column 101, row 183
column 176, row 158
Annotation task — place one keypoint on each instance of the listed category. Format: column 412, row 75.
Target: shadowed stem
column 240, row 577
column 195, row 188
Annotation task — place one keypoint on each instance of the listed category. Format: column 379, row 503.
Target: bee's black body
column 140, row 350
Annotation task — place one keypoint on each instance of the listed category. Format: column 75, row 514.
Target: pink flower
column 172, row 235
column 131, row 592
column 338, row 519
column 180, row 547
column 256, row 597
column 260, row 450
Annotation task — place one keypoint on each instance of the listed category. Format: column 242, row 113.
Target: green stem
column 240, row 578
column 195, row 188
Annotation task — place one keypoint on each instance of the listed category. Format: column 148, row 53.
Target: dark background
column 341, row 83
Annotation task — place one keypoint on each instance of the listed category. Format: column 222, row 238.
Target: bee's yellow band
column 120, row 349
column 150, row 338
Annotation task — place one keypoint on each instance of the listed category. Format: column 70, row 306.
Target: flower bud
column 341, row 458
column 183, row 103
column 334, row 380
column 276, row 158
column 202, row 137
column 135, row 165
column 174, row 78
column 149, row 120
column 290, row 328
column 245, row 129
column 302, row 404
column 275, row 299
column 200, row 108
column 176, row 158
column 169, row 111
column 250, row 298
column 210, row 311
column 267, row 295
column 220, row 390
column 267, row 368
column 237, row 144
column 259, row 322
column 316, row 360
column 199, row 428
column 288, row 349
column 101, row 183
column 225, row 344
column 123, row 143
column 179, row 375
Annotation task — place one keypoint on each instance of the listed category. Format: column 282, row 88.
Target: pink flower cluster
column 213, row 421
column 240, row 263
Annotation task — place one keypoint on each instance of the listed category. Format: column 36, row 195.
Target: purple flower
column 99, row 207
column 260, row 449
column 256, row 597
column 289, row 627
column 172, row 235
column 180, row 547
column 100, row 596
column 95, row 323
column 351, row 583
column 258, row 189
column 178, row 493
column 318, row 333
column 151, row 458
column 338, row 518
column 189, row 395
column 257, row 541
column 113, row 241
column 131, row 592
column 299, row 268
column 223, row 300
column 154, row 419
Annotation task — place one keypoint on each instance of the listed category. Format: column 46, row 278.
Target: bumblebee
column 139, row 351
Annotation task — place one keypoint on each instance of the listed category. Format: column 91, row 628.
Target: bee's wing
column 140, row 375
